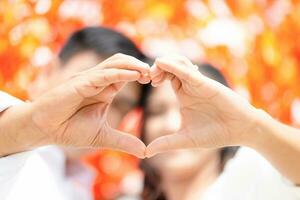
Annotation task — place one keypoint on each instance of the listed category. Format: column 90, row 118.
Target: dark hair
column 152, row 189
column 102, row 41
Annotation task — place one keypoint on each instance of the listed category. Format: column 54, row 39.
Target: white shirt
column 9, row 166
column 38, row 174
column 249, row 176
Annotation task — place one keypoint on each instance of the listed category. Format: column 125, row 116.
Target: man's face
column 58, row 73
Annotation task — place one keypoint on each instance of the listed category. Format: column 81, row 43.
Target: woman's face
column 163, row 118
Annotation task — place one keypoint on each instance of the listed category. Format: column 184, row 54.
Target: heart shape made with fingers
column 212, row 115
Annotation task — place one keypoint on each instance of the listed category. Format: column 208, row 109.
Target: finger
column 184, row 61
column 195, row 68
column 104, row 84
column 180, row 70
column 155, row 71
column 119, row 85
column 176, row 83
column 166, row 76
column 144, row 79
column 124, row 142
column 156, row 75
column 131, row 63
column 158, row 79
column 122, row 61
column 109, row 92
column 106, row 77
column 104, row 94
column 170, row 142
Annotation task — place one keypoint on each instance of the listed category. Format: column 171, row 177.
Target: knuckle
column 77, row 75
column 186, row 76
column 114, row 57
column 183, row 60
column 119, row 76
column 114, row 88
column 106, row 78
column 119, row 55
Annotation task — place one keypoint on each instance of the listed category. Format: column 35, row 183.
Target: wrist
column 260, row 133
column 38, row 136
column 26, row 134
column 17, row 132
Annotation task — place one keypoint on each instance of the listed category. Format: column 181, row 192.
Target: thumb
column 170, row 142
column 118, row 140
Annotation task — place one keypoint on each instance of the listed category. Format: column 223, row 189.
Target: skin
column 163, row 118
column 185, row 173
column 57, row 72
column 214, row 116
column 75, row 112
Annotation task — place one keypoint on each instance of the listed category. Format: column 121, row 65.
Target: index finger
column 179, row 69
column 122, row 61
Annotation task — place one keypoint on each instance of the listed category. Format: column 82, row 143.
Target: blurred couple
column 148, row 113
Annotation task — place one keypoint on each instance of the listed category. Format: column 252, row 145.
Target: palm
column 90, row 120
column 74, row 114
column 210, row 116
column 88, row 124
column 59, row 113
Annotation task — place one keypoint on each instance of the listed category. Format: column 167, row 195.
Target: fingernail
column 147, row 77
column 153, row 84
column 148, row 81
column 144, row 81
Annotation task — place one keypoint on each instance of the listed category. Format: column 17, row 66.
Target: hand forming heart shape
column 213, row 115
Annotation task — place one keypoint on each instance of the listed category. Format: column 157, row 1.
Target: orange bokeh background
column 256, row 43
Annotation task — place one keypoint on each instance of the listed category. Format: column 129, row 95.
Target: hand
column 212, row 114
column 74, row 114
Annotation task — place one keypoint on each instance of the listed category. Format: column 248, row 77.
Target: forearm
column 278, row 143
column 17, row 132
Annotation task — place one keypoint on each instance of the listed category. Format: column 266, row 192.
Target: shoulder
column 250, row 175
